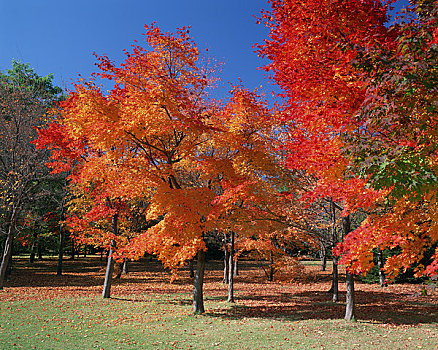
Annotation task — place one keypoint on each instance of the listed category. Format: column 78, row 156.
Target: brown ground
column 307, row 298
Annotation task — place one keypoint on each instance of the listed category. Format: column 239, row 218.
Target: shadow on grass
column 312, row 305
column 80, row 272
column 130, row 300
column 255, row 298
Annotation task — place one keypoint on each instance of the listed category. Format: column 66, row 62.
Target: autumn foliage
column 155, row 164
column 364, row 132
column 157, row 146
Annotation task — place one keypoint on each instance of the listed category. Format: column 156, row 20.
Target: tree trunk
column 236, row 266
column 335, row 279
column 350, row 308
column 60, row 250
column 39, row 248
column 198, row 284
column 191, row 269
column 231, row 270
column 110, row 264
column 323, row 256
column 271, row 266
column 125, row 267
column 380, row 265
column 7, row 254
column 118, row 270
column 108, row 274
column 226, row 261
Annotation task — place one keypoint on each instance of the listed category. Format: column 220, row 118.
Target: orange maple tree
column 157, row 137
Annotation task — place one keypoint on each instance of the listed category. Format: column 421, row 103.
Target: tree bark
column 226, row 261
column 335, row 278
column 7, row 254
column 236, row 266
column 323, row 256
column 198, row 284
column 350, row 308
column 191, row 269
column 125, row 267
column 39, row 248
column 118, row 270
column 380, row 265
column 110, row 264
column 108, row 274
column 231, row 270
column 335, row 281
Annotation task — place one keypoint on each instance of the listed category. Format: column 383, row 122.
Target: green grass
column 157, row 321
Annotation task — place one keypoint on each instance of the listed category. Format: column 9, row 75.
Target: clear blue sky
column 60, row 36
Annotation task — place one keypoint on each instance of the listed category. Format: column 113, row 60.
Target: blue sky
column 60, row 36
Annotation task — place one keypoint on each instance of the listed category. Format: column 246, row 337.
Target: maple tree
column 396, row 145
column 311, row 46
column 138, row 139
column 156, row 136
column 347, row 114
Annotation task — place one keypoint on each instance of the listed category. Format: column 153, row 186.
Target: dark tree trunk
column 198, row 284
column 118, row 269
column 271, row 266
column 231, row 270
column 7, row 254
column 226, row 260
column 380, row 265
column 350, row 308
column 335, row 279
column 60, row 250
column 323, row 257
column 39, row 248
column 191, row 269
column 73, row 250
column 236, row 266
column 110, row 264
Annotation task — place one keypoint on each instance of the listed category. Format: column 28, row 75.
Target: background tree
column 24, row 99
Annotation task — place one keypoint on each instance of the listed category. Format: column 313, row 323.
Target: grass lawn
column 39, row 310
